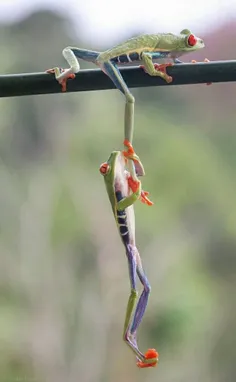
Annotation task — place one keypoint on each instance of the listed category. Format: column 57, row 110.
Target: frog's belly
column 125, row 218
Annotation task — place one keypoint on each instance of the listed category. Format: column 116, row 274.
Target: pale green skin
column 146, row 45
column 160, row 42
column 118, row 175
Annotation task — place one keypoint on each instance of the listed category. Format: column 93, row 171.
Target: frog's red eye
column 104, row 168
column 192, row 40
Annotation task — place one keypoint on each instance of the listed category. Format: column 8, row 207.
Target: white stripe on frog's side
column 129, row 59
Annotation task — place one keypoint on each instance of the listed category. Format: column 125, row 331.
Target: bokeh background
column 63, row 273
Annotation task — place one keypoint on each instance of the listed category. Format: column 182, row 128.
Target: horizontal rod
column 23, row 84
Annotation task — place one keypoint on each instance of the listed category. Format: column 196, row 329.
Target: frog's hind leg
column 71, row 55
column 130, row 327
column 151, row 359
column 112, row 71
column 84, row 54
column 131, row 303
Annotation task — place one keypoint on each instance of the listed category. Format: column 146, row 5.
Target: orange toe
column 151, row 353
column 130, row 150
column 63, row 82
column 162, row 67
column 63, row 85
column 145, row 199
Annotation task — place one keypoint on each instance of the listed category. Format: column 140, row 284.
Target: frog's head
column 190, row 42
column 115, row 162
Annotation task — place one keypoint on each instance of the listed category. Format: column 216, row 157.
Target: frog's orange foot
column 63, row 80
column 133, row 184
column 162, row 68
column 144, row 198
column 130, row 149
column 151, row 355
column 130, row 153
column 205, row 60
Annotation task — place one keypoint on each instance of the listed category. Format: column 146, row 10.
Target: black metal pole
column 183, row 74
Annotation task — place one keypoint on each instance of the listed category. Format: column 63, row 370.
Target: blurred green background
column 63, row 277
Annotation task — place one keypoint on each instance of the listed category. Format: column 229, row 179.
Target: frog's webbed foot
column 135, row 186
column 151, row 359
column 62, row 75
column 130, row 154
column 205, row 60
column 144, row 199
column 160, row 70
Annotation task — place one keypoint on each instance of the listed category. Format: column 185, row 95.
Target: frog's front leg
column 131, row 199
column 137, row 193
column 136, row 187
column 155, row 69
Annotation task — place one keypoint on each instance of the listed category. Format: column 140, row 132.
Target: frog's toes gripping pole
column 62, row 75
column 205, row 60
column 131, row 326
column 158, row 70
